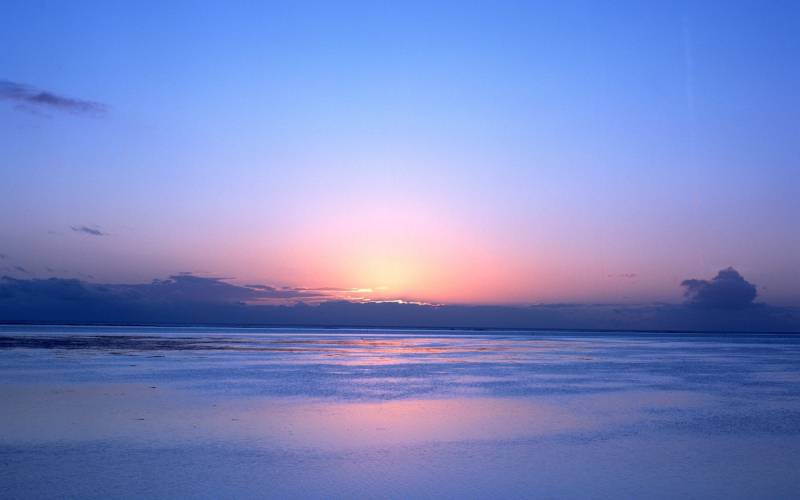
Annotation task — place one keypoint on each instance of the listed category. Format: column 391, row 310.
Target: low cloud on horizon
column 724, row 303
column 727, row 290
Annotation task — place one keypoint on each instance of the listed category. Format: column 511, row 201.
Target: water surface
column 215, row 412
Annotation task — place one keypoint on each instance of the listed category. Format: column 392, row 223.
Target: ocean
column 158, row 412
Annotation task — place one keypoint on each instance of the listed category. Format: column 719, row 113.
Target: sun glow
column 389, row 273
column 400, row 248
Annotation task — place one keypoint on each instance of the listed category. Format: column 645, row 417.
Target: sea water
column 134, row 412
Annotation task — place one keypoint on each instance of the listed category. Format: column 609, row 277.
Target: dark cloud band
column 722, row 304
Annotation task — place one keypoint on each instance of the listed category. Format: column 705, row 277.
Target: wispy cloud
column 94, row 231
column 29, row 96
column 628, row 276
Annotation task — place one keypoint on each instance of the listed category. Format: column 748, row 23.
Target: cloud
column 94, row 231
column 26, row 95
column 265, row 288
column 325, row 292
column 727, row 290
column 190, row 299
column 189, row 288
column 326, row 289
column 178, row 289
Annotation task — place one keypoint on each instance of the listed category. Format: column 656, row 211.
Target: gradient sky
column 456, row 152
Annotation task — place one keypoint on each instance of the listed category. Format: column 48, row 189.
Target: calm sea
column 99, row 412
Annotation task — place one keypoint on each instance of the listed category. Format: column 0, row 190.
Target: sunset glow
column 489, row 159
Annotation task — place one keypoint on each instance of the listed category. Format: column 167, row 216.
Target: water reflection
column 458, row 415
column 147, row 414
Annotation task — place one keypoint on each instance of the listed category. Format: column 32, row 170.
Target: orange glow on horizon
column 419, row 251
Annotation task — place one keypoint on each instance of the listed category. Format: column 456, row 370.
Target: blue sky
column 477, row 152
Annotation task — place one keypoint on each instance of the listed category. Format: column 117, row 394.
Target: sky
column 505, row 153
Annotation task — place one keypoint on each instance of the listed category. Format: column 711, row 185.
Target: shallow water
column 216, row 412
